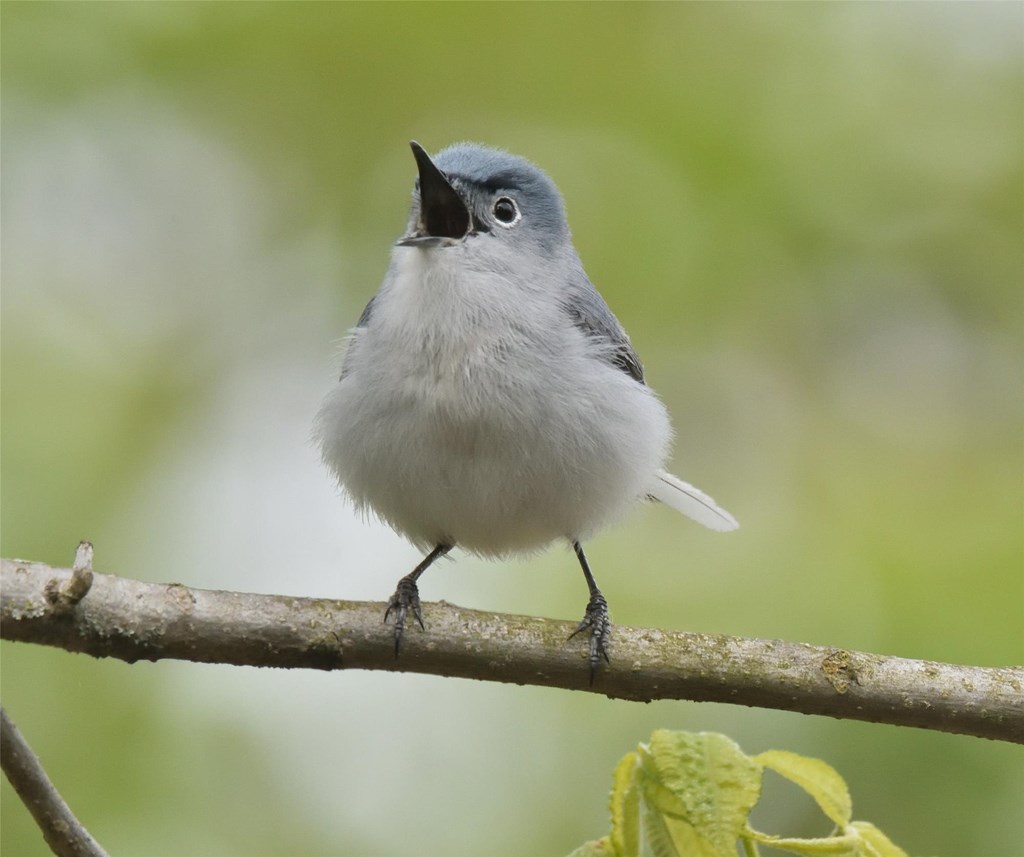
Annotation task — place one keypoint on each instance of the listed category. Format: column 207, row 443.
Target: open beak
column 444, row 217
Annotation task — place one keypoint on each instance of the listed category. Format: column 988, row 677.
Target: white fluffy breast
column 473, row 412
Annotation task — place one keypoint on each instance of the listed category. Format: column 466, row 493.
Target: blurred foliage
column 808, row 216
column 686, row 794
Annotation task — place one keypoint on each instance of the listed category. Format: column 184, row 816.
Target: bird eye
column 506, row 212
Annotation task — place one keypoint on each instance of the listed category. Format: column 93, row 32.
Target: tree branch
column 61, row 830
column 131, row 620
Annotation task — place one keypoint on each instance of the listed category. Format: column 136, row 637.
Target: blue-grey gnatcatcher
column 489, row 398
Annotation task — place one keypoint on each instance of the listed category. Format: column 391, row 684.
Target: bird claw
column 406, row 598
column 597, row 621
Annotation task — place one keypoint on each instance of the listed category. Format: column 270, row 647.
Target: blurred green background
column 809, row 217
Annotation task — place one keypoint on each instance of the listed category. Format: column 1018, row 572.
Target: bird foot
column 406, row 598
column 599, row 624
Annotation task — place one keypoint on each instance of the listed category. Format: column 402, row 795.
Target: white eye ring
column 506, row 212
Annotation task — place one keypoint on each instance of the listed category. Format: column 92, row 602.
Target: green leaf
column 689, row 795
column 713, row 785
column 873, row 842
column 660, row 799
column 835, row 846
column 597, row 848
column 819, row 780
column 665, row 836
column 860, row 839
column 624, row 805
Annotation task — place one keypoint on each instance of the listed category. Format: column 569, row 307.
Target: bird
column 488, row 398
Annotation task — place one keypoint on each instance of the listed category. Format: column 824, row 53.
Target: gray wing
column 591, row 314
column 364, row 316
column 364, row 319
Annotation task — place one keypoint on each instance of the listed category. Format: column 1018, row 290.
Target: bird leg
column 595, row 618
column 407, row 595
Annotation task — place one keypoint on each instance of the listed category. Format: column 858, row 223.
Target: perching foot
column 596, row 619
column 406, row 598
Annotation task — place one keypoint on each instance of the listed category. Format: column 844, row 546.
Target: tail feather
column 691, row 502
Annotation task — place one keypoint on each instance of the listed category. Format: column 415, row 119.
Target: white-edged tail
column 691, row 502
